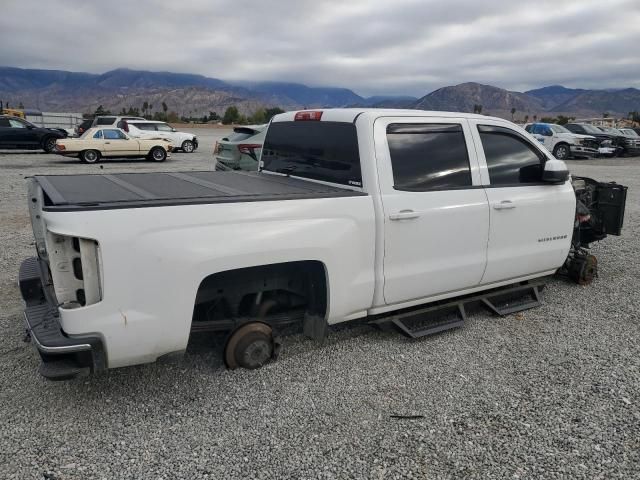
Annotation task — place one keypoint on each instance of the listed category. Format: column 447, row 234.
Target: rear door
column 436, row 216
column 531, row 221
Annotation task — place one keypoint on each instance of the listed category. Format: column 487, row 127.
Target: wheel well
column 235, row 294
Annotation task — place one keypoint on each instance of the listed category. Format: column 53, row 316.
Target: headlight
column 606, row 143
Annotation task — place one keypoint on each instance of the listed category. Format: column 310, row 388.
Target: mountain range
column 197, row 95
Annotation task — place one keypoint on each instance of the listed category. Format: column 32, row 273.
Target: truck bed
column 137, row 190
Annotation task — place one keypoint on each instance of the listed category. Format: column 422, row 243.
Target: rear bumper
column 63, row 357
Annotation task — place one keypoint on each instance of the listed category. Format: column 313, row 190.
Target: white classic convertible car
column 96, row 143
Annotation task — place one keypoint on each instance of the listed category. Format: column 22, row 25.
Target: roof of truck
column 350, row 114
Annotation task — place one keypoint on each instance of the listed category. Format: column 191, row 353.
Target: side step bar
column 445, row 316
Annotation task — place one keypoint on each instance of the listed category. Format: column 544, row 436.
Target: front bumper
column 582, row 150
column 63, row 357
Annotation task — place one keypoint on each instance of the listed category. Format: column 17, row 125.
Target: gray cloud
column 371, row 46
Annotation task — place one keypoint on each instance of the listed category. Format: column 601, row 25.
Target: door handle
column 504, row 205
column 404, row 215
column 107, row 143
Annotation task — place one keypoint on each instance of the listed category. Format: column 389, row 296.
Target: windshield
column 629, row 132
column 559, row 129
column 591, row 129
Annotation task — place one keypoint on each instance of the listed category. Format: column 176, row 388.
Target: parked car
column 17, row 133
column 83, row 127
column 563, row 143
column 187, row 142
column 113, row 142
column 610, row 145
column 111, row 120
column 630, row 132
column 240, row 150
column 630, row 143
column 344, row 221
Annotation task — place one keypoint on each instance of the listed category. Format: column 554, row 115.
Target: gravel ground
column 552, row 393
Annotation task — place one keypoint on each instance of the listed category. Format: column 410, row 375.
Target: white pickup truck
column 377, row 215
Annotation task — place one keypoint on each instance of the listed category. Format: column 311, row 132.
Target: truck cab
column 354, row 214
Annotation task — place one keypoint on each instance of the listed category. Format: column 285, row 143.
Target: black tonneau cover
column 136, row 190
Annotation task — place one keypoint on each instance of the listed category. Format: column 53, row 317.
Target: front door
column 436, row 216
column 531, row 221
column 16, row 132
column 117, row 144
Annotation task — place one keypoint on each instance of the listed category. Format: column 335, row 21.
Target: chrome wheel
column 50, row 145
column 158, row 154
column 90, row 156
column 562, row 152
column 187, row 146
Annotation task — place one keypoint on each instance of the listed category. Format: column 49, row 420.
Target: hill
column 463, row 97
column 197, row 95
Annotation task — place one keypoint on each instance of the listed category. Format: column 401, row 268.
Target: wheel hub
column 257, row 353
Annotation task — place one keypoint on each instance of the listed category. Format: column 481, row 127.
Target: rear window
column 144, row 126
column 105, row 120
column 326, row 151
column 239, row 135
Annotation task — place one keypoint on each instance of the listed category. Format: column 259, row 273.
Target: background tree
column 101, row 111
column 562, row 120
column 526, row 119
column 164, row 108
column 145, row 107
column 231, row 115
column 513, row 112
column 21, row 106
column 270, row 112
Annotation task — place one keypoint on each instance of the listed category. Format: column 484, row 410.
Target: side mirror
column 174, row 130
column 30, row 127
column 547, row 133
column 555, row 171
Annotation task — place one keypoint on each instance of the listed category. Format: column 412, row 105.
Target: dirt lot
column 553, row 393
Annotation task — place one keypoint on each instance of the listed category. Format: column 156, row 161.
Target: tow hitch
column 599, row 212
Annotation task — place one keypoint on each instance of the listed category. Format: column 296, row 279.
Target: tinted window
column 17, row 123
column 105, row 120
column 98, row 134
column 4, row 122
column 113, row 135
column 510, row 158
column 428, row 156
column 320, row 150
column 238, row 136
column 163, row 127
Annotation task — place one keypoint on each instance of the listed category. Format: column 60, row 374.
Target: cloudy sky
column 370, row 46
